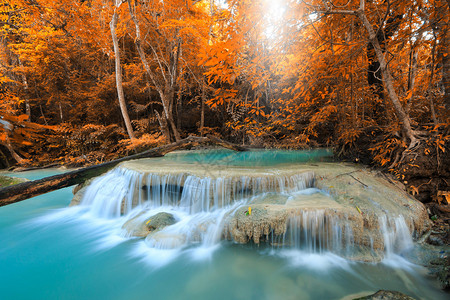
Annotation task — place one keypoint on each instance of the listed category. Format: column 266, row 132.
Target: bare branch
column 339, row 6
column 388, row 8
column 338, row 12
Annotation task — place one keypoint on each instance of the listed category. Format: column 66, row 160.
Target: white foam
column 314, row 261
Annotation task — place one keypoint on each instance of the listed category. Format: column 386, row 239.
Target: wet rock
column 78, row 192
column 136, row 226
column 435, row 240
column 386, row 295
column 435, row 258
column 141, row 226
column 160, row 220
column 440, row 267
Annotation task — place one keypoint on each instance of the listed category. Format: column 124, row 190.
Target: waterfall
column 396, row 235
column 199, row 204
column 306, row 218
column 316, row 231
column 319, row 232
column 121, row 189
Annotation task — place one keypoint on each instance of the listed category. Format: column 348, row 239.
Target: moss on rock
column 7, row 181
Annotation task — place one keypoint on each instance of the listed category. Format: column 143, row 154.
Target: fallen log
column 25, row 190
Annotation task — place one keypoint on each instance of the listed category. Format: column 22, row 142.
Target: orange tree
column 370, row 79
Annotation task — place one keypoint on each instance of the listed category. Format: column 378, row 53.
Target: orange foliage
column 279, row 73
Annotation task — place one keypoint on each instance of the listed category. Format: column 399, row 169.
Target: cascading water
column 317, row 232
column 202, row 204
column 396, row 234
column 199, row 204
column 122, row 189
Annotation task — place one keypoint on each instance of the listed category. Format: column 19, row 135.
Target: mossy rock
column 386, row 295
column 441, row 268
column 7, row 181
column 139, row 226
column 160, row 220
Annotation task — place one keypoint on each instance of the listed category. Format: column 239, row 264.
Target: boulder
column 160, row 220
column 141, row 226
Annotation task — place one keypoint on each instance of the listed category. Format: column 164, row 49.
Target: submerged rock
column 141, row 226
column 386, row 295
column 440, row 267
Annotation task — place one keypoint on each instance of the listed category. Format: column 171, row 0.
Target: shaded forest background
column 83, row 82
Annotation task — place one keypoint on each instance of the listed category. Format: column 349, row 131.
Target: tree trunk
column 167, row 100
column 25, row 190
column 11, row 150
column 25, row 85
column 163, row 125
column 202, row 113
column 120, row 94
column 429, row 93
column 179, row 108
column 413, row 56
column 387, row 79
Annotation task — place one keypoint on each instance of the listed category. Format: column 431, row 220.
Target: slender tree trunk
column 168, row 101
column 171, row 90
column 120, row 94
column 179, row 108
column 428, row 93
column 25, row 85
column 413, row 56
column 202, row 114
column 166, row 94
column 163, row 125
column 387, row 80
column 61, row 116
